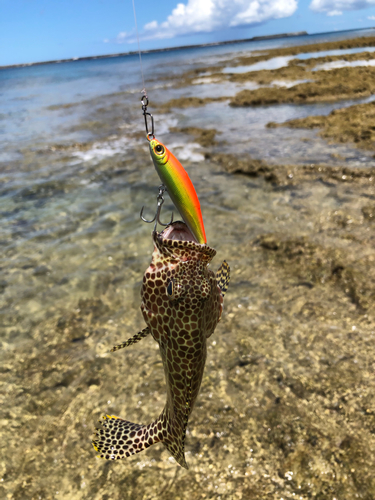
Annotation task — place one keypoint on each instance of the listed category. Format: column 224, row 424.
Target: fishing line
column 139, row 50
column 150, row 132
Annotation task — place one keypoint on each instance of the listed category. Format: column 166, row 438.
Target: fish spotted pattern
column 182, row 304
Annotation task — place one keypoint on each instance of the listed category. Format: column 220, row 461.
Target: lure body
column 182, row 302
column 179, row 187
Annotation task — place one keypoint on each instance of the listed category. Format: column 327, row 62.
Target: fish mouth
column 178, row 231
column 177, row 242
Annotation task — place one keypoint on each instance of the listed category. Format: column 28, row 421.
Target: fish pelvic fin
column 118, row 438
column 174, row 441
column 133, row 340
column 223, row 277
column 176, row 451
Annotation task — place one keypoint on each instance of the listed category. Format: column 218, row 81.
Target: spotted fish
column 182, row 302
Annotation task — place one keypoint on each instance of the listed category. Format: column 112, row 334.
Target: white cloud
column 372, row 18
column 204, row 16
column 335, row 7
column 122, row 36
column 150, row 26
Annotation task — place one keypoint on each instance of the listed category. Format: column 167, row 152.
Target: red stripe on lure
column 179, row 187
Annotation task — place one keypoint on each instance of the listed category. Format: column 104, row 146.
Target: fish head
column 159, row 153
column 178, row 274
column 178, row 244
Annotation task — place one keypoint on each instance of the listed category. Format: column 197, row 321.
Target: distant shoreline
column 181, row 47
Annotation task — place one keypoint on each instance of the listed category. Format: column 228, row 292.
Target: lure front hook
column 156, row 218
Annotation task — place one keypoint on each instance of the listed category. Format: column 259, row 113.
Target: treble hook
column 156, row 218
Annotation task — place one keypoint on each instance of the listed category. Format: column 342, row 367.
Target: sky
column 43, row 30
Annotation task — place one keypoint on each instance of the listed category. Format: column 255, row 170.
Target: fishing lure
column 182, row 302
column 179, row 187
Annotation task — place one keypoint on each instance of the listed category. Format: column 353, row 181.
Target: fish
column 180, row 188
column 182, row 302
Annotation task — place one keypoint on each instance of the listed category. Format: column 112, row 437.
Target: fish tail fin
column 118, row 438
column 133, row 340
column 223, row 277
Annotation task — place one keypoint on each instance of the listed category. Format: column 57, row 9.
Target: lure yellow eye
column 159, row 150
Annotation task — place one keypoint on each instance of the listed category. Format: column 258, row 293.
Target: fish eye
column 170, row 287
column 159, row 150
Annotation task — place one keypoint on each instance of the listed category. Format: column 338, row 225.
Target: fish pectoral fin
column 133, row 340
column 223, row 277
column 118, row 438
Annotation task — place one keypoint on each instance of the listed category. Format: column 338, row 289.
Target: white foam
column 343, row 64
column 185, row 152
column 6, row 156
column 286, row 84
column 112, row 146
column 153, row 87
column 101, row 150
column 165, row 122
column 274, row 63
column 206, row 79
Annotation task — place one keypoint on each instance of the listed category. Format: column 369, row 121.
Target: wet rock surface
column 187, row 102
column 353, row 124
column 341, row 83
column 204, row 137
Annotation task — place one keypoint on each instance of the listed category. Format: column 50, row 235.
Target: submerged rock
column 369, row 212
column 204, row 137
column 352, row 124
column 42, row 270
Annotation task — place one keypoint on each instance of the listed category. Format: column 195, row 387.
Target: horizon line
column 181, row 47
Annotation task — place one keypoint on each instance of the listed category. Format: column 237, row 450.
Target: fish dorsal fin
column 223, row 277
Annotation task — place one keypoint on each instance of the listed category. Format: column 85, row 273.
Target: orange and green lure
column 179, row 187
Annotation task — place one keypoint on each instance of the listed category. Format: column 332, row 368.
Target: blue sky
column 41, row 30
